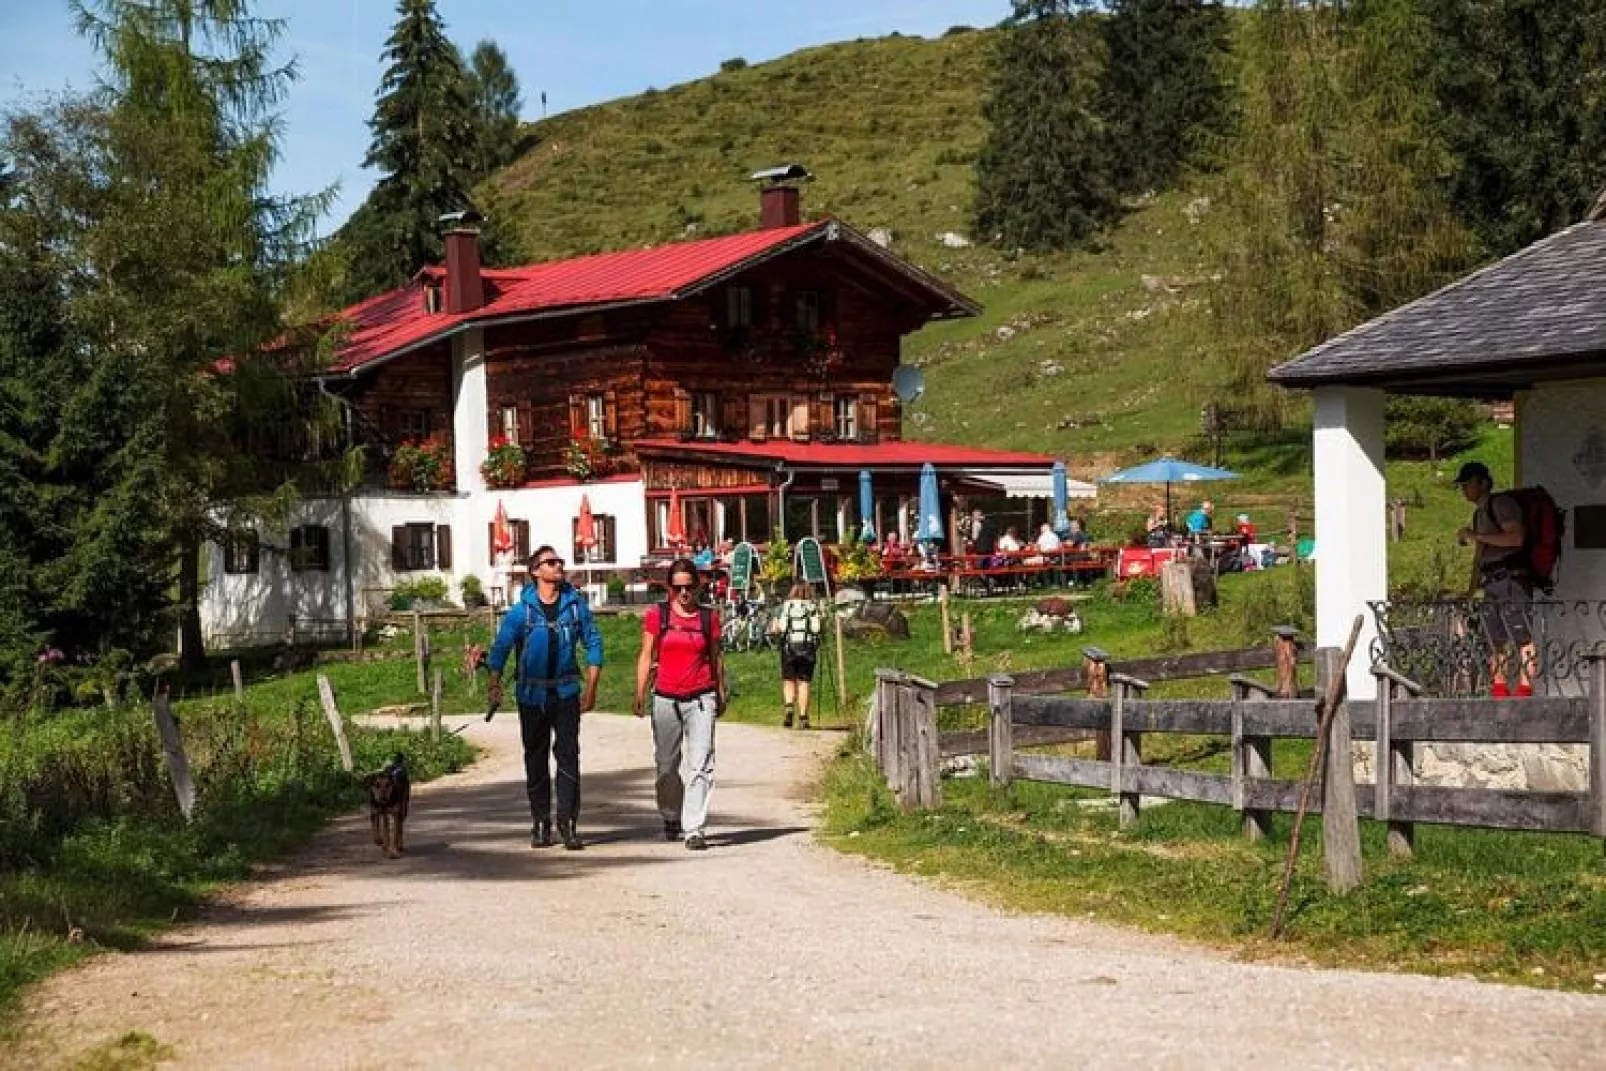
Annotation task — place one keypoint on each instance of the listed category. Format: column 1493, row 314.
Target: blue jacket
column 525, row 622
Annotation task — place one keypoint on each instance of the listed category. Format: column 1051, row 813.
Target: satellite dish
column 908, row 383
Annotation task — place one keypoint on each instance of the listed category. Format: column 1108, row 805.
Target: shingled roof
column 1538, row 314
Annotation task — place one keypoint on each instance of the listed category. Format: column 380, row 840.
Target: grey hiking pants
column 691, row 721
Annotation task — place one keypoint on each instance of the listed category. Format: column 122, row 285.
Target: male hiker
column 550, row 622
column 1498, row 535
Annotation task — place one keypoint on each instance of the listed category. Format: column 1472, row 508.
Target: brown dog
column 389, row 792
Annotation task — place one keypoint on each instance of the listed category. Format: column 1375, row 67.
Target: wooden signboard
column 742, row 568
column 809, row 564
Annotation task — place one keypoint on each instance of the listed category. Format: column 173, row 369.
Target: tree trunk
column 192, row 648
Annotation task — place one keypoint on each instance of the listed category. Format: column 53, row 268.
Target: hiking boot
column 1498, row 690
column 541, row 835
column 697, row 843
column 571, row 839
column 1525, row 691
column 786, row 722
column 671, row 830
column 803, row 722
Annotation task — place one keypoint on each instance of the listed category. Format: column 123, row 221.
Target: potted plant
column 775, row 573
column 858, row 565
column 421, row 466
column 504, row 463
column 586, row 458
column 473, row 592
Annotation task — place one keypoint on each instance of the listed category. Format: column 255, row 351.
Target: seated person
column 1009, row 542
column 1077, row 538
column 891, row 548
column 1200, row 520
column 1048, row 540
column 1158, row 528
column 1246, row 529
column 703, row 558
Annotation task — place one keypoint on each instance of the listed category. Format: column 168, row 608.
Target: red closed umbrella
column 675, row 533
column 585, row 528
column 501, row 532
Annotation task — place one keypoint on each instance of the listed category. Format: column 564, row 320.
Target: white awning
column 1029, row 484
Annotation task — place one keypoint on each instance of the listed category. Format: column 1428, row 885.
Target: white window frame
column 510, row 423
column 705, row 414
column 845, row 416
column 597, row 417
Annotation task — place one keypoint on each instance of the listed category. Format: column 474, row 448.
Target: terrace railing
column 1456, row 647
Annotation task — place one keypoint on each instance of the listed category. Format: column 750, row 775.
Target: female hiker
column 798, row 626
column 681, row 637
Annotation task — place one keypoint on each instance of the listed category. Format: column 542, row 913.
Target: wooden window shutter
column 869, row 418
column 610, row 414
column 320, row 549
column 682, row 409
column 577, row 416
column 298, row 548
column 521, row 539
column 608, row 530
column 254, row 554
column 443, row 546
column 398, row 547
column 490, row 541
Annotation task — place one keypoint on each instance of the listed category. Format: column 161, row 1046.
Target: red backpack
column 1543, row 525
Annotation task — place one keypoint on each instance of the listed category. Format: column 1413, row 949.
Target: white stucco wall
column 1351, row 551
column 1561, row 443
column 471, row 434
column 245, row 609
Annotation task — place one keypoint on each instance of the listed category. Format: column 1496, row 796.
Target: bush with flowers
column 421, row 466
column 504, row 463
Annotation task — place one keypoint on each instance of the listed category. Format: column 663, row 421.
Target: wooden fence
column 1397, row 720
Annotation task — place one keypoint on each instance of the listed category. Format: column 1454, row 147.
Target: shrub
column 735, row 63
column 473, row 592
column 425, row 589
column 1429, row 427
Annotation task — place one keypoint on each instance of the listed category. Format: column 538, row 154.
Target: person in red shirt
column 681, row 637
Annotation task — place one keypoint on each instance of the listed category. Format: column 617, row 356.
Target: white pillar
column 1351, row 513
column 471, row 430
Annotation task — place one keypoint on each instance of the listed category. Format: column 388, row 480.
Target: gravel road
column 768, row 950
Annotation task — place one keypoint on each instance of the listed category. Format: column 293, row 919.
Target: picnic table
column 987, row 574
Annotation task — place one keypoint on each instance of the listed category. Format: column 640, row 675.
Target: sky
column 579, row 52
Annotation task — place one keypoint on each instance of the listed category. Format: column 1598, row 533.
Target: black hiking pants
column 552, row 728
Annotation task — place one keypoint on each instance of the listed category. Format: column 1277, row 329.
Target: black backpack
column 705, row 618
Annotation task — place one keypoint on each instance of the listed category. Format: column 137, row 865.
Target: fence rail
column 1398, row 720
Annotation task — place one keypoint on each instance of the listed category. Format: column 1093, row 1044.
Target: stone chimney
column 465, row 290
column 780, row 198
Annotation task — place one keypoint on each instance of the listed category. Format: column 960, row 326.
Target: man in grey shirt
column 1497, row 536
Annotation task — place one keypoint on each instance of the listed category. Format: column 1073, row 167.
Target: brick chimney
column 465, row 290
column 780, row 198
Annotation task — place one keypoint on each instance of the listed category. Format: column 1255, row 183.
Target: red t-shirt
column 685, row 668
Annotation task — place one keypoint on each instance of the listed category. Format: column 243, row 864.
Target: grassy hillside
column 1074, row 355
column 1104, row 357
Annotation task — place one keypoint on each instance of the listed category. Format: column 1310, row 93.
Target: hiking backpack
column 1543, row 525
column 796, row 634
column 705, row 618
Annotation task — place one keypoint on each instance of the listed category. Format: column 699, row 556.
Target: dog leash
column 490, row 712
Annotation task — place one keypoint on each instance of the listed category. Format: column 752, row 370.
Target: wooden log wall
column 416, row 383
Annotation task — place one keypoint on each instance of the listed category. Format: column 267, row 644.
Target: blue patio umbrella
column 930, row 526
column 1062, row 517
column 1168, row 470
column 866, row 508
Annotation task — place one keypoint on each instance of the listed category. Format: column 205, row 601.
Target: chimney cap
column 463, row 217
column 783, row 173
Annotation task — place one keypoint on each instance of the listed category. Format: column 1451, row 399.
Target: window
column 510, row 423
column 806, row 307
column 738, row 307
column 775, row 418
column 845, row 416
column 242, row 553
column 519, row 530
column 597, row 417
column 604, row 550
column 705, row 414
column 309, row 549
column 414, row 424
column 414, row 547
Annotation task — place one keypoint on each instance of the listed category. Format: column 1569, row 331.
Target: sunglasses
column 556, row 563
column 684, row 587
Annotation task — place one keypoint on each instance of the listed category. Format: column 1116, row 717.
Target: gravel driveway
column 768, row 950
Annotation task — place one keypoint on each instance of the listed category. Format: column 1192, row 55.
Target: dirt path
column 768, row 950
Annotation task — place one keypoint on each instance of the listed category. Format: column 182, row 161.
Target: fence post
column 1341, row 827
column 923, row 763
column 290, row 632
column 1096, row 672
column 1126, row 748
column 435, row 707
column 1251, row 758
column 1393, row 759
column 1597, row 744
column 884, row 745
column 178, row 764
column 1000, row 730
column 326, row 695
column 1287, row 646
column 239, row 680
column 947, row 628
column 418, row 651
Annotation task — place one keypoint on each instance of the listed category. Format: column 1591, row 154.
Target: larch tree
column 494, row 94
column 1043, row 177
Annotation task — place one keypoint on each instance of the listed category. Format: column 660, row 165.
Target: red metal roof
column 899, row 454
column 396, row 321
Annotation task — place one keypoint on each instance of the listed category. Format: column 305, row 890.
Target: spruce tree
column 1043, row 177
column 494, row 94
column 425, row 146
column 1165, row 88
column 1521, row 87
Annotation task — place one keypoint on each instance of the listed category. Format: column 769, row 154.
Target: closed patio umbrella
column 501, row 532
column 585, row 528
column 675, row 532
column 866, row 508
column 1062, row 516
column 930, row 527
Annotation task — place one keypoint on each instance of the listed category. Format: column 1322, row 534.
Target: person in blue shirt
column 1199, row 520
column 550, row 623
column 704, row 557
